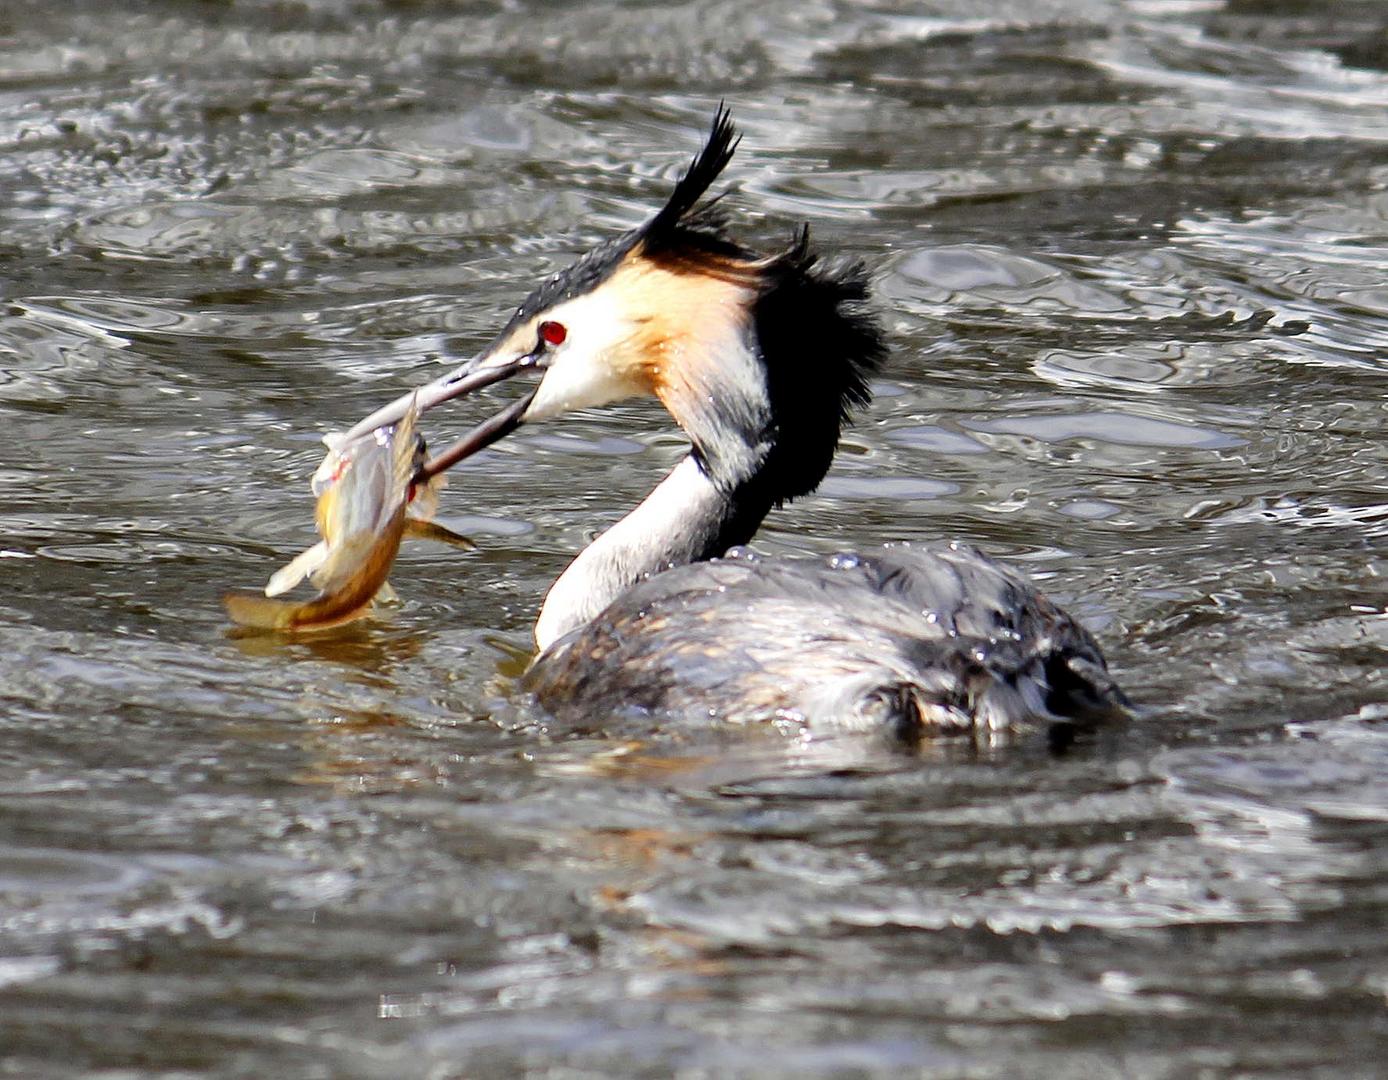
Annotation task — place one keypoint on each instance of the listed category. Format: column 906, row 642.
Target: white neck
column 686, row 518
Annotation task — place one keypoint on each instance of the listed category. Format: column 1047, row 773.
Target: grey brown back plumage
column 913, row 640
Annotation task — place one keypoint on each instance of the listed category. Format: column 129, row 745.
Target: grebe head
column 758, row 358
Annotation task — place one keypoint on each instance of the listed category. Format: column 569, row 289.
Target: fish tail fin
column 259, row 612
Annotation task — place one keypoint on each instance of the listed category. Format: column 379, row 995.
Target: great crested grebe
column 760, row 360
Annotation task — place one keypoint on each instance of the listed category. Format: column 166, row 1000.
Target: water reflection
column 1121, row 429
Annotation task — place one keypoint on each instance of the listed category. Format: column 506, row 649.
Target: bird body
column 910, row 641
column 761, row 360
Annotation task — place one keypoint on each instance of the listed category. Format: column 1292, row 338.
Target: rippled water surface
column 1132, row 257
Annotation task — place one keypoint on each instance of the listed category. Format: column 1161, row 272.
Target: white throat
column 675, row 524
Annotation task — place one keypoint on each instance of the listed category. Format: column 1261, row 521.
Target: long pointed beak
column 479, row 438
column 471, row 376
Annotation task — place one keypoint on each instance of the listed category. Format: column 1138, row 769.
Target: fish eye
column 553, row 333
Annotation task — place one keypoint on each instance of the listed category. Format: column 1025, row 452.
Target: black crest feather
column 669, row 227
column 820, row 343
column 681, row 227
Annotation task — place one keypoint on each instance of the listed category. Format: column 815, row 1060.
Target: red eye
column 553, row 333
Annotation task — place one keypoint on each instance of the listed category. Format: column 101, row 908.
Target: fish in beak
column 376, row 487
column 370, row 497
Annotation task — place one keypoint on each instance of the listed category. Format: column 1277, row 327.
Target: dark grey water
column 1133, row 259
